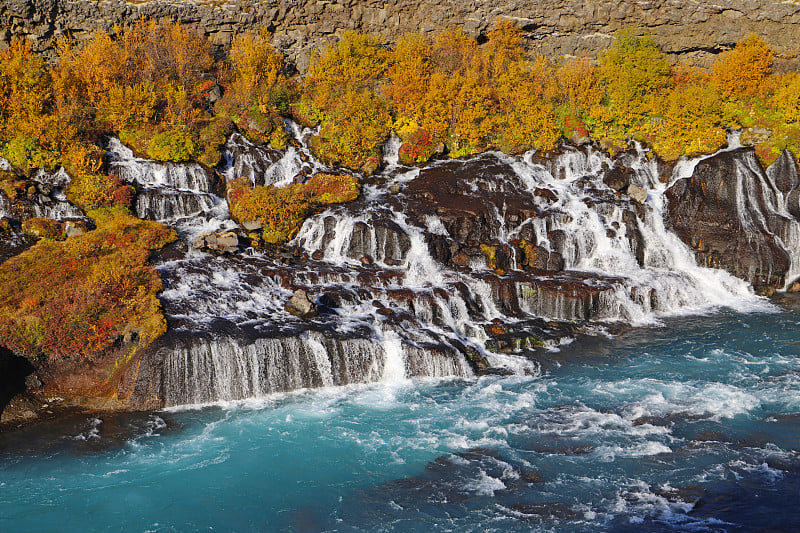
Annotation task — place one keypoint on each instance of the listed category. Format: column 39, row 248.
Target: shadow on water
column 13, row 371
column 75, row 432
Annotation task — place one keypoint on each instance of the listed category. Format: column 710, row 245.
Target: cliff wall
column 691, row 30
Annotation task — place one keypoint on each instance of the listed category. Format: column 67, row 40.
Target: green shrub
column 174, row 144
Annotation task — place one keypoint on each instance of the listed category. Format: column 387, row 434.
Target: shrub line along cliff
column 692, row 30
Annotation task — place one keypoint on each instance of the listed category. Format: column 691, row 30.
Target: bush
column 280, row 210
column 635, row 73
column 787, row 97
column 45, row 228
column 80, row 295
column 172, row 145
column 744, row 70
column 354, row 128
column 417, row 147
column 324, row 189
column 93, row 191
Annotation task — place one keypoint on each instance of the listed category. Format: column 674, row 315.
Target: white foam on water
column 394, row 368
column 391, row 151
column 485, row 485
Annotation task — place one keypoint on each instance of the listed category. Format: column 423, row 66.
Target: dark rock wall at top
column 692, row 30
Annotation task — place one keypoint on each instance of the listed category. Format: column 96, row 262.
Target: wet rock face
column 727, row 212
column 693, row 31
column 37, row 194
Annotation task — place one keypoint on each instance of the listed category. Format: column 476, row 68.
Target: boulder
column 618, row 178
column 300, row 305
column 74, row 228
column 219, row 243
column 637, row 194
column 252, row 225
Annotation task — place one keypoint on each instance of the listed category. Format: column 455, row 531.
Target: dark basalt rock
column 783, row 173
column 725, row 212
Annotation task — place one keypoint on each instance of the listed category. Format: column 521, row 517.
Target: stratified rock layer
column 693, row 30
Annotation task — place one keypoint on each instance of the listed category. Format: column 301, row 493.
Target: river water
column 690, row 426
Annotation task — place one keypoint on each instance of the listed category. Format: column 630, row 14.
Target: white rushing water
column 400, row 312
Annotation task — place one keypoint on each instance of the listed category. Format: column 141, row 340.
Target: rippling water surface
column 692, row 426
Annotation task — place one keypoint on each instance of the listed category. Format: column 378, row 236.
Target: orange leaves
column 340, row 94
column 256, row 63
column 503, row 49
column 281, row 210
column 355, row 126
column 92, row 191
column 148, row 80
column 30, row 133
column 409, row 75
column 79, row 296
column 744, row 70
column 454, row 51
column 578, row 84
column 327, row 189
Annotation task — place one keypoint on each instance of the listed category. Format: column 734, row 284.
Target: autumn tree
column 578, row 85
column 31, row 133
column 635, row 74
column 340, row 93
column 787, row 97
column 744, row 70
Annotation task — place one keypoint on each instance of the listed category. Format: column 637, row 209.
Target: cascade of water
column 148, row 173
column 391, row 151
column 394, row 367
column 383, row 271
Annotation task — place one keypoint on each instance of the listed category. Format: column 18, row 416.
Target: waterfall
column 206, row 370
column 435, row 271
column 263, row 165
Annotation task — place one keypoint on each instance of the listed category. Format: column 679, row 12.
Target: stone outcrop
column 223, row 242
column 692, row 30
column 728, row 212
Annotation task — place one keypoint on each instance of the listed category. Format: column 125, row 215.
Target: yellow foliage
column 504, row 47
column 454, row 51
column 693, row 121
column 787, row 97
column 128, row 107
column 357, row 61
column 578, row 85
column 525, row 107
column 409, row 75
column 473, row 112
column 255, row 61
column 744, row 70
column 354, row 128
column 635, row 74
